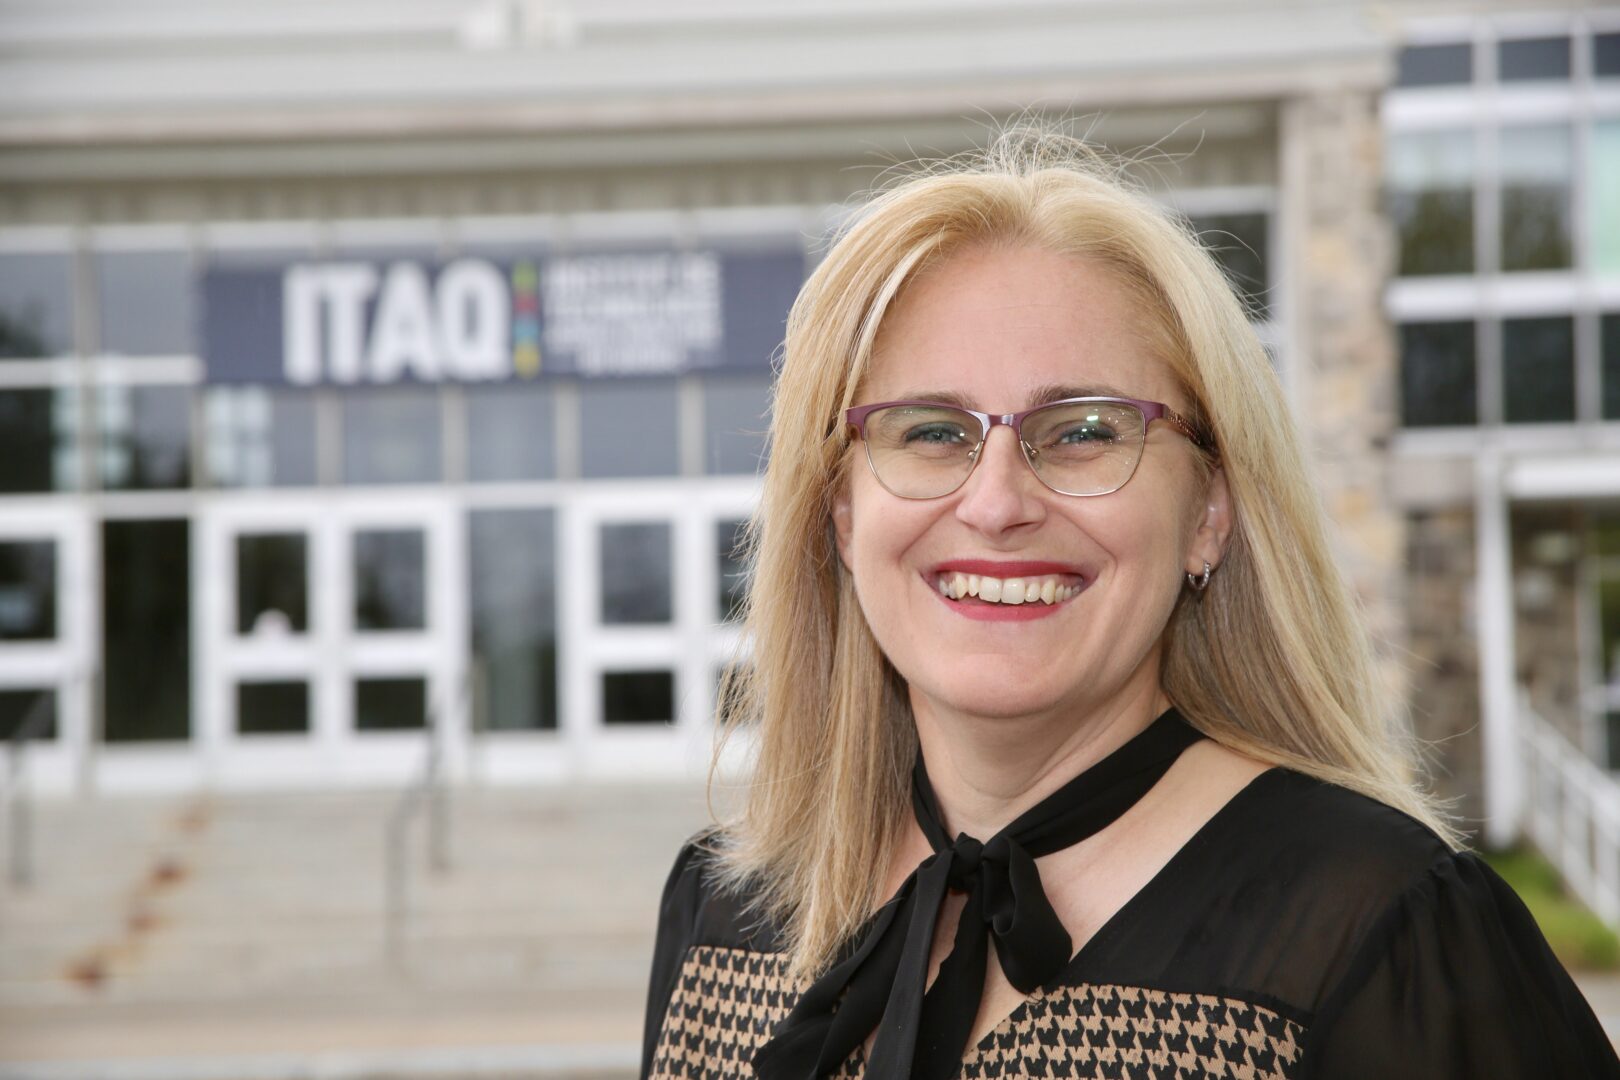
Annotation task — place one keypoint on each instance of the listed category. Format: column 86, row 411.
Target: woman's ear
column 1214, row 527
column 842, row 523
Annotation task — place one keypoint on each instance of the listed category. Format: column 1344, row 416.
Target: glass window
column 628, row 428
column 27, row 590
column 258, row 436
column 36, row 305
column 272, row 583
column 511, row 432
column 1533, row 58
column 1239, row 244
column 1605, row 536
column 272, row 708
column 146, row 303
column 1438, row 387
column 733, row 570
column 1606, row 54
column 637, row 579
column 390, row 704
column 638, row 697
column 513, row 589
column 38, row 444
column 391, row 436
column 1605, row 196
column 1609, row 628
column 1434, row 65
column 33, row 707
column 1609, row 333
column 146, row 628
column 390, row 579
column 1538, row 370
column 145, row 436
column 1536, row 171
column 1431, row 201
column 736, row 416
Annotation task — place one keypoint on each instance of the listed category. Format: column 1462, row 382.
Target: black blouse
column 1304, row 931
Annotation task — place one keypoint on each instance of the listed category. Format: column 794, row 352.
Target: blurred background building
column 382, row 386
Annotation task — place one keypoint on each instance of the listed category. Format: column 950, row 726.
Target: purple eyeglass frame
column 1150, row 410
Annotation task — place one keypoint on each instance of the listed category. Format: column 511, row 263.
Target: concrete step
column 182, row 904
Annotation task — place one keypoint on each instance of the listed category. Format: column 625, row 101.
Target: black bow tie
column 881, row 983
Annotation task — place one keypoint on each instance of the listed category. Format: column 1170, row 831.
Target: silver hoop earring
column 1199, row 582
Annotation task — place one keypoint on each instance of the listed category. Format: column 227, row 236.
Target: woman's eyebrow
column 1044, row 395
column 943, row 397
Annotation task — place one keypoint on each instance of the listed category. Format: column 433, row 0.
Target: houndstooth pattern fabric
column 727, row 1002
column 725, row 1005
column 1130, row 1032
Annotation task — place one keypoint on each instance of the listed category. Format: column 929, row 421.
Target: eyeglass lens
column 1080, row 448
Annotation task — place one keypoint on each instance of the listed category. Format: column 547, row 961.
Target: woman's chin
column 993, row 705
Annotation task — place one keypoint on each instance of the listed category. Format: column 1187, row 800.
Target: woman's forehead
column 1003, row 329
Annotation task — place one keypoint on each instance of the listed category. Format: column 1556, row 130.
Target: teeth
column 1047, row 590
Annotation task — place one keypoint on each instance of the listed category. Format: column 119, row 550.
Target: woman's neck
column 986, row 771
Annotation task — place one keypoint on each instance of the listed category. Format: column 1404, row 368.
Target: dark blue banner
column 350, row 322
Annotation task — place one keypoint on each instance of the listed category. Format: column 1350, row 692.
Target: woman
column 1070, row 758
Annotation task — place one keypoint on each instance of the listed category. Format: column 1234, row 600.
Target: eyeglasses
column 1077, row 446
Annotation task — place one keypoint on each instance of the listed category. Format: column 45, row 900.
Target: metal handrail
column 1573, row 814
column 20, row 816
column 428, row 790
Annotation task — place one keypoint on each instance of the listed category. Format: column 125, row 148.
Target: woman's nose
column 1002, row 492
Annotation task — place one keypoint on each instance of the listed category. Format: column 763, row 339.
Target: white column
column 1493, row 603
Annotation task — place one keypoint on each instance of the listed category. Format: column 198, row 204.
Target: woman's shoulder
column 1418, row 959
column 700, row 909
column 703, row 904
column 1312, row 829
column 1348, row 914
column 1277, row 893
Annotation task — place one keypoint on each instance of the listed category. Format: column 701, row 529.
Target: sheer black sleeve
column 677, row 922
column 1455, row 980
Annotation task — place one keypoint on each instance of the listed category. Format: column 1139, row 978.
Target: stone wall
column 1443, row 662
column 1349, row 375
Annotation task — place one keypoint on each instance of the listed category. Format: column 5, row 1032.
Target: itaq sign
column 351, row 322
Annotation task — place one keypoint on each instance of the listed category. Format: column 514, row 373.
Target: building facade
column 378, row 373
column 1503, row 181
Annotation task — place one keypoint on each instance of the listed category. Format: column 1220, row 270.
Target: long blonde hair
column 1274, row 662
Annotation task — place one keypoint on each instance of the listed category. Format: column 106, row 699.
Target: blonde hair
column 1273, row 662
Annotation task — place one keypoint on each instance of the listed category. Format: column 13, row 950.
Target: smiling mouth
column 1044, row 589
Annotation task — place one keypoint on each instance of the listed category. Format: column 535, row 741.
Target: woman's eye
column 934, row 433
column 1087, row 433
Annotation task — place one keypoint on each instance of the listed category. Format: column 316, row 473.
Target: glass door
column 647, row 618
column 330, row 632
column 398, row 597
column 46, row 608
